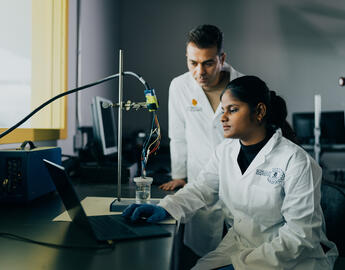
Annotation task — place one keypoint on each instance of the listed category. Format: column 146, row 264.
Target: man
column 195, row 128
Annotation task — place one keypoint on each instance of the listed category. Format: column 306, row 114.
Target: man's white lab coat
column 194, row 131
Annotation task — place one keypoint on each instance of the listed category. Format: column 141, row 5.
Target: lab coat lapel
column 234, row 155
column 216, row 117
column 257, row 161
column 261, row 156
column 203, row 100
column 218, row 111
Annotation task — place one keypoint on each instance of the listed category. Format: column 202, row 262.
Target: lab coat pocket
column 265, row 204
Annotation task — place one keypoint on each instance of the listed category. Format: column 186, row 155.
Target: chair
column 333, row 206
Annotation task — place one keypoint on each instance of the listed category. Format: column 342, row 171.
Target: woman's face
column 238, row 121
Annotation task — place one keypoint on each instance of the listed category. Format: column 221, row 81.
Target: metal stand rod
column 317, row 146
column 119, row 136
column 317, row 131
column 77, row 141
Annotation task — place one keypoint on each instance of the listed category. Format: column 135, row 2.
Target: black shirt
column 249, row 152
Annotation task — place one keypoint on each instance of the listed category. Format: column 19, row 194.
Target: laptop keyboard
column 109, row 227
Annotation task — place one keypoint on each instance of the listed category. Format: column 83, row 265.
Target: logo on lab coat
column 194, row 107
column 274, row 176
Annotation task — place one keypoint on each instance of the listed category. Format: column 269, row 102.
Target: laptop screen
column 67, row 193
column 113, row 227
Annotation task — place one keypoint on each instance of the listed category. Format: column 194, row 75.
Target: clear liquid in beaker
column 143, row 189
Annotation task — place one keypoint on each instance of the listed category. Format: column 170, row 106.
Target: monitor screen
column 303, row 125
column 104, row 125
column 332, row 127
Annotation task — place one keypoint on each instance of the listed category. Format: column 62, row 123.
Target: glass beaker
column 143, row 189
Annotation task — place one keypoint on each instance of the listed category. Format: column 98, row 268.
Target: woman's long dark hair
column 252, row 90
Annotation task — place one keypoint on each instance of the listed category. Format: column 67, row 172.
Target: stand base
column 119, row 206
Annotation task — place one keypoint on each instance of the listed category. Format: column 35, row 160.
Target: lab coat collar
column 235, row 151
column 227, row 67
column 261, row 156
column 267, row 148
column 201, row 96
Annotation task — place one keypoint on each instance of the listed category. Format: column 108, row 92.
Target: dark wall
column 297, row 47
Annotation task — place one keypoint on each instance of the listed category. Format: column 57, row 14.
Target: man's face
column 205, row 65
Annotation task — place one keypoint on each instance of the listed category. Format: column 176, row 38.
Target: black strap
column 31, row 144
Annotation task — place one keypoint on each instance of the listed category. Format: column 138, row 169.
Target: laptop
column 103, row 228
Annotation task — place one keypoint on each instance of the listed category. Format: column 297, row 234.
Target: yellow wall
column 49, row 72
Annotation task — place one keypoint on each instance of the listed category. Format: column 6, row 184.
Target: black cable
column 141, row 79
column 70, row 92
column 52, row 245
column 54, row 98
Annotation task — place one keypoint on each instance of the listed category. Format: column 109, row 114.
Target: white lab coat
column 277, row 218
column 194, row 131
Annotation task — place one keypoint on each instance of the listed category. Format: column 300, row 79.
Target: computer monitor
column 331, row 124
column 104, row 126
column 332, row 127
column 303, row 125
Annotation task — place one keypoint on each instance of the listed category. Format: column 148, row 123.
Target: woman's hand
column 152, row 213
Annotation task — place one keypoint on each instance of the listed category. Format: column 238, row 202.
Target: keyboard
column 109, row 228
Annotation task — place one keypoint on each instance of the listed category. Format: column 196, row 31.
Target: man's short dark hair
column 206, row 36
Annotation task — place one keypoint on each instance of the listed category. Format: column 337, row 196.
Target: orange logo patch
column 194, row 102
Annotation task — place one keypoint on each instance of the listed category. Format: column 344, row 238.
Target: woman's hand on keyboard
column 152, row 213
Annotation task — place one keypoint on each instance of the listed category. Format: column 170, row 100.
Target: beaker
column 143, row 189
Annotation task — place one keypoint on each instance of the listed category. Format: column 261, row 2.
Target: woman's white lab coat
column 274, row 208
column 194, row 131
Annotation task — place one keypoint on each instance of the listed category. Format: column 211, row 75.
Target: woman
column 269, row 186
